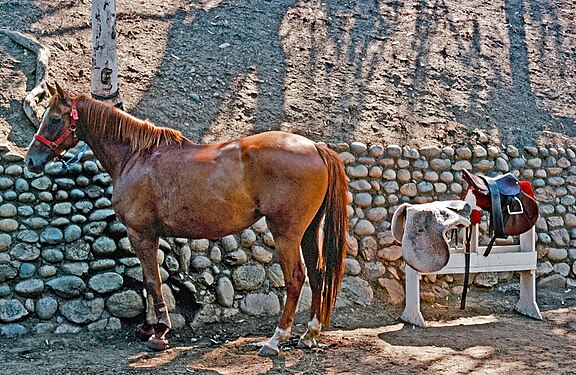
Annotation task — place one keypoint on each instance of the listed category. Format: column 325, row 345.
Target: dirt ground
column 381, row 72
column 486, row 338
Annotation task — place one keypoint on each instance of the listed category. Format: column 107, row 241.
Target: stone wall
column 66, row 263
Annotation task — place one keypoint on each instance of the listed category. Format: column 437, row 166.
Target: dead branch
column 33, row 98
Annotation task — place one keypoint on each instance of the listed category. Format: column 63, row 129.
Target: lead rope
column 66, row 164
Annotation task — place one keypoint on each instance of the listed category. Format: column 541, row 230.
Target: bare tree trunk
column 104, row 57
column 33, row 98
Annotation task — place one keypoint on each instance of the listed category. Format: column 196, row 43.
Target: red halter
column 55, row 146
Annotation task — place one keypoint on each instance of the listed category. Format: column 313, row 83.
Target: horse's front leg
column 145, row 330
column 146, row 248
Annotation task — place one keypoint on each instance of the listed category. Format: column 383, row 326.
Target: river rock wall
column 67, row 265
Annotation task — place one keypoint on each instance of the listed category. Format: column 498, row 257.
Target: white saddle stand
column 520, row 258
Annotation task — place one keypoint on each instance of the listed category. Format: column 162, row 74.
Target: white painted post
column 412, row 312
column 527, row 303
column 104, row 57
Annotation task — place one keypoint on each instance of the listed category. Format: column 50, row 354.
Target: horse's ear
column 63, row 94
column 51, row 89
column 398, row 222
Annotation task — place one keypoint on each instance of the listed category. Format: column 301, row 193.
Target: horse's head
column 57, row 131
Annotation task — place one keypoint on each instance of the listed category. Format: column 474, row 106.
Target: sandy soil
column 486, row 338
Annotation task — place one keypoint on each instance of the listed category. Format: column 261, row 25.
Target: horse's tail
column 332, row 254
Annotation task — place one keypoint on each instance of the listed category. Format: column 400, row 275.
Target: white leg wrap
column 271, row 347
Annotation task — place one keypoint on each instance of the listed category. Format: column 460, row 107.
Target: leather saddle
column 513, row 209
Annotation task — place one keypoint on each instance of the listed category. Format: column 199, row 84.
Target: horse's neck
column 112, row 154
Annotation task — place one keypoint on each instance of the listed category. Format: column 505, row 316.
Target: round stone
column 260, row 304
column 358, row 148
column 72, row 233
column 5, row 242
column 249, row 276
column 261, row 255
column 41, row 183
column 45, row 196
column 104, row 246
column 46, row 307
column 8, row 210
column 364, row 228
column 377, row 214
column 360, row 185
column 26, row 271
column 409, row 190
column 67, row 286
column 225, row 292
column 4, row 290
column 105, row 282
column 75, row 268
column 7, row 272
column 200, row 246
column 82, row 311
column 363, row 199
column 557, row 254
column 102, row 214
column 8, row 225
column 28, row 236
column 6, row 183
column 201, row 262
column 51, row 236
column 352, row 267
column 102, row 264
column 11, row 310
column 247, row 238
column 215, row 255
column 46, row 271
column 357, row 171
column 276, row 276
column 13, row 170
column 462, row 164
column 171, row 263
column 25, row 252
column 126, row 304
column 229, row 243
column 77, row 194
column 355, row 291
column 390, row 187
column 390, row 254
column 21, row 185
column 32, row 288
column 102, row 203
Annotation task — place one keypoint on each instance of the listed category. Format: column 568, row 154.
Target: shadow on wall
column 420, row 72
column 234, row 58
column 525, row 104
column 17, row 73
column 342, row 71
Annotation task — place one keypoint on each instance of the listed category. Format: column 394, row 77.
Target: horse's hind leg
column 310, row 252
column 146, row 248
column 288, row 251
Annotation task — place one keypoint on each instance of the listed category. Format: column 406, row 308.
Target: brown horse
column 166, row 185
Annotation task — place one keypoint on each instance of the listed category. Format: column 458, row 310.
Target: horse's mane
column 121, row 126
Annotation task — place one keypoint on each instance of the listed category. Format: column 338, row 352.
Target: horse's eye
column 55, row 122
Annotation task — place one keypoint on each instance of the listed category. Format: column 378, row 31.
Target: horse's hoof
column 157, row 344
column 268, row 351
column 306, row 344
column 144, row 332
